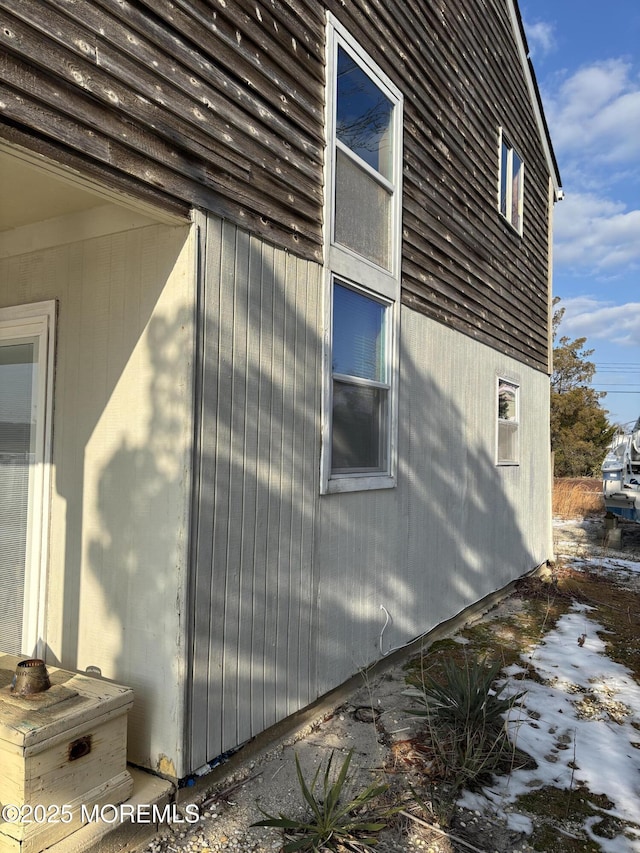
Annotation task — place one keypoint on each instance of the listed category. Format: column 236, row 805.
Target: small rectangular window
column 511, row 184
column 508, row 421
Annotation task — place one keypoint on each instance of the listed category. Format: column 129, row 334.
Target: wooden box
column 62, row 752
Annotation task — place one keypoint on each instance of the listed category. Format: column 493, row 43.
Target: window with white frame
column 511, row 184
column 27, row 334
column 508, row 422
column 360, row 382
column 362, row 259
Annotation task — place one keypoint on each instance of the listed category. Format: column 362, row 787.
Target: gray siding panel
column 295, row 591
column 254, row 599
column 457, row 526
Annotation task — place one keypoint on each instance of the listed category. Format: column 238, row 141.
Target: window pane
column 363, row 116
column 507, row 410
column 363, row 212
column 358, row 335
column 18, row 392
column 507, row 442
column 516, row 189
column 18, row 378
column 504, row 166
column 358, row 428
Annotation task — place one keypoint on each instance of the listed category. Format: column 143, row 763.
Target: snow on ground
column 577, row 725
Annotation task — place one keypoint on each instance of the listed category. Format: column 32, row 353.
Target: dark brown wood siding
column 217, row 105
column 221, row 106
column 457, row 64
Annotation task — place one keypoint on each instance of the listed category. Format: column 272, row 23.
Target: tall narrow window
column 362, row 252
column 508, row 418
column 511, row 184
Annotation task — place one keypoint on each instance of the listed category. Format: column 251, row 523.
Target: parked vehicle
column 621, row 475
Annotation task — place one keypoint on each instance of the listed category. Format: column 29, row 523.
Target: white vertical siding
column 457, row 527
column 121, row 457
column 290, row 585
column 254, row 587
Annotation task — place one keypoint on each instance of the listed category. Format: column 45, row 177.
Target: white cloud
column 594, row 116
column 540, row 38
column 595, row 113
column 618, row 124
column 596, row 234
column 586, row 316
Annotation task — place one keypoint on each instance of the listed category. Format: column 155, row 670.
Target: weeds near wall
column 465, row 720
column 334, row 819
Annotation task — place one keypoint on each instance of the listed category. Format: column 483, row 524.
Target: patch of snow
column 519, row 823
column 606, row 564
column 571, row 747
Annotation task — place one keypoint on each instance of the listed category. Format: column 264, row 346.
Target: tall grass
column 577, row 497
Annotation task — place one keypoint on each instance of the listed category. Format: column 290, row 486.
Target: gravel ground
column 374, row 723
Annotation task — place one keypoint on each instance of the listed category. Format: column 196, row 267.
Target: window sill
column 517, row 232
column 337, row 485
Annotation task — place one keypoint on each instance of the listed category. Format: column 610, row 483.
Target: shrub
column 465, row 719
column 333, row 820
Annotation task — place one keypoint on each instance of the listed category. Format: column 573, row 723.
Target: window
column 364, row 163
column 508, row 415
column 511, row 184
column 362, row 260
column 26, row 377
column 360, row 387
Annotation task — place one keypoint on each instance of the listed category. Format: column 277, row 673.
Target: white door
column 26, row 362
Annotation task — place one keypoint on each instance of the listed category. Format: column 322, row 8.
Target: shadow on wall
column 123, row 397
column 139, row 558
column 287, row 585
column 394, row 564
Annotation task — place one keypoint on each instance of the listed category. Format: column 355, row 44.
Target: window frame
column 355, row 381
column 37, row 320
column 345, row 266
column 514, row 423
column 507, row 195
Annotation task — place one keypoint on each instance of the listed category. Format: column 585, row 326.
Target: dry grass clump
column 577, row 497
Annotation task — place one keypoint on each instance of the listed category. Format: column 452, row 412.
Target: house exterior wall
column 457, row 526
column 220, row 109
column 223, row 109
column 186, row 104
column 257, row 486
column 116, row 583
column 289, row 584
column 458, row 66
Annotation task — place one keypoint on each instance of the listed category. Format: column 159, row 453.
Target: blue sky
column 586, row 54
